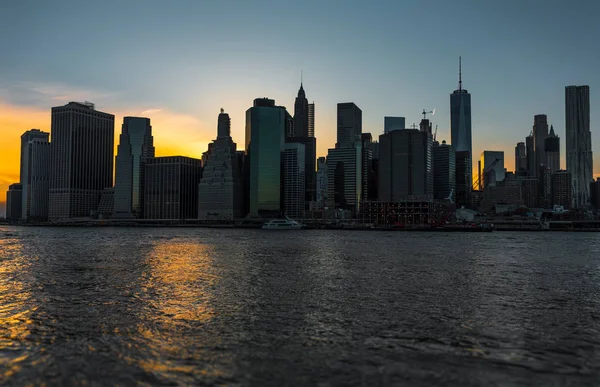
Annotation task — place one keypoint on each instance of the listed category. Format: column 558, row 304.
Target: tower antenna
column 301, row 77
column 459, row 73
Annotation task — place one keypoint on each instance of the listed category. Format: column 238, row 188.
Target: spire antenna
column 459, row 73
column 301, row 77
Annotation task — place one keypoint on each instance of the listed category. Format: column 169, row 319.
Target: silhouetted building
column 579, row 142
column 444, row 171
column 491, row 170
column 301, row 114
column 595, row 194
column 346, row 177
column 321, row 183
column 460, row 119
column 463, row 179
column 106, row 206
column 552, row 148
column 311, row 119
column 393, row 123
column 82, row 156
column 520, row 157
column 562, row 191
column 530, row 192
column 136, row 145
column 540, row 132
column 35, row 174
column 293, row 179
column 14, row 200
column 349, row 124
column 545, row 187
column 265, row 138
column 530, row 150
column 171, row 187
column 220, row 190
column 405, row 165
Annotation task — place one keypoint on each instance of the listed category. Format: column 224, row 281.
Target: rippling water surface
column 118, row 306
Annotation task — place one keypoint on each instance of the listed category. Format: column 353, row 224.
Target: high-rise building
column 463, row 179
column 136, row 145
column 35, row 174
column 220, row 188
column 82, row 157
column 293, row 179
column 540, row 133
column 349, row 124
column 171, row 187
column 595, row 194
column 530, row 150
column 321, row 182
column 444, row 171
column 491, row 170
column 405, row 165
column 393, row 123
column 345, row 177
column 301, row 114
column 460, row 118
column 579, row 142
column 552, row 150
column 544, row 187
column 520, row 157
column 562, row 189
column 265, row 138
column 530, row 192
column 311, row 119
column 14, row 201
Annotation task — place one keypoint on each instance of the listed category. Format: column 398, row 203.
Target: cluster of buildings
column 402, row 176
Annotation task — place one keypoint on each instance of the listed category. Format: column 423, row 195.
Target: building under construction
column 411, row 212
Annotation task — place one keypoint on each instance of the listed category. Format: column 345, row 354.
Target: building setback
column 35, row 174
column 14, row 200
column 579, row 142
column 81, row 159
column 562, row 190
column 136, row 146
column 294, row 179
column 220, row 189
column 171, row 187
column 444, row 171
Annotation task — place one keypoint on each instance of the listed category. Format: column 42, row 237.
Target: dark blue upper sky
column 389, row 57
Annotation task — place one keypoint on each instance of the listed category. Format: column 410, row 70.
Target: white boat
column 281, row 224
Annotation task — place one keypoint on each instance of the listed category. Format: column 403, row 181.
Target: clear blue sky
column 389, row 57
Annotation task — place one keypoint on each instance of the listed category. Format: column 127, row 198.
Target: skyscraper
column 349, row 124
column 293, row 179
column 35, row 174
column 579, row 142
column 171, row 187
column 311, row 119
column 301, row 114
column 220, row 189
column 345, row 177
column 444, row 171
column 460, row 118
column 520, row 157
column 530, row 151
column 393, row 123
column 304, row 131
column 14, row 201
column 463, row 179
column 540, row 132
column 562, row 189
column 82, row 156
column 321, row 182
column 136, row 146
column 265, row 138
column 552, row 150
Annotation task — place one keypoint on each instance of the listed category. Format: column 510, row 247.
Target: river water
column 179, row 306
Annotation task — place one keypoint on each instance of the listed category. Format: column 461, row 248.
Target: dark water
column 250, row 307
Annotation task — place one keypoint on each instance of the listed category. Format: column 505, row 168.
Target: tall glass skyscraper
column 460, row 118
column 136, row 145
column 349, row 124
column 579, row 142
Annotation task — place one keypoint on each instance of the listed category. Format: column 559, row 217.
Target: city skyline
column 182, row 96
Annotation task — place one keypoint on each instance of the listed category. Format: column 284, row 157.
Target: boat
column 282, row 224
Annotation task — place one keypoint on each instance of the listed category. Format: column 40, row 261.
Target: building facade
column 393, row 123
column 171, row 187
column 464, row 184
column 579, row 142
column 530, row 150
column 595, row 194
column 540, row 133
column 552, row 149
column 35, row 174
column 294, row 179
column 444, row 171
column 345, row 177
column 530, row 192
column 220, row 189
column 14, row 201
column 81, row 159
column 321, row 183
column 311, row 119
column 349, row 124
column 460, row 119
column 562, row 189
column 520, row 157
column 136, row 145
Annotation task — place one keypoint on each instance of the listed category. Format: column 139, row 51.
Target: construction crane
column 425, row 112
column 485, row 172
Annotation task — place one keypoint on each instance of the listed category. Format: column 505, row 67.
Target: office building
column 444, row 171
column 545, row 187
column 265, row 138
column 304, row 129
column 346, row 177
column 293, row 180
column 14, row 200
column 530, row 150
column 520, row 157
column 321, row 183
column 349, row 124
column 562, row 189
column 460, row 118
column 491, row 168
column 393, row 123
column 136, row 145
column 464, row 184
column 579, row 142
column 540, row 133
column 595, row 194
column 552, row 150
column 406, row 165
column 82, row 157
column 301, row 114
column 171, row 187
column 530, row 192
column 220, row 188
column 35, row 174
column 311, row 119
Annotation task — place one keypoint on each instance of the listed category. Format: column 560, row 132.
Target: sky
column 178, row 62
